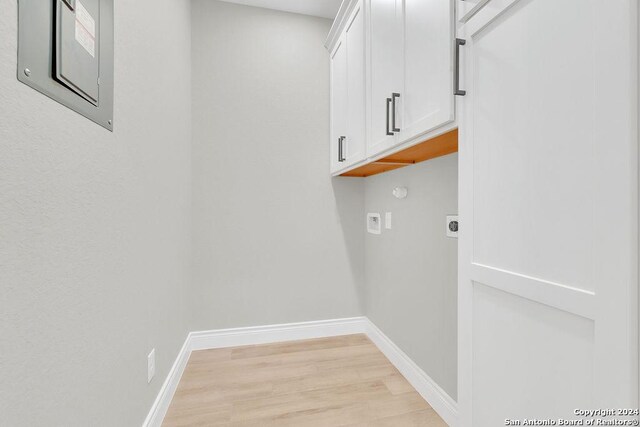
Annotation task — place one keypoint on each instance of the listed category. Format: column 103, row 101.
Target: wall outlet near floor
column 151, row 365
column 452, row 226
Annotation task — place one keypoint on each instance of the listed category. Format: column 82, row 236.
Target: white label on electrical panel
column 85, row 29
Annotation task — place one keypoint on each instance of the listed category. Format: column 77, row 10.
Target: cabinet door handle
column 457, row 91
column 393, row 114
column 341, row 157
column 388, row 105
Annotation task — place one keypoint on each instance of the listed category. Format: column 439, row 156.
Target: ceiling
column 322, row 8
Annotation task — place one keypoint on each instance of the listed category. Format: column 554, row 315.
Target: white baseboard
column 439, row 400
column 203, row 340
column 276, row 333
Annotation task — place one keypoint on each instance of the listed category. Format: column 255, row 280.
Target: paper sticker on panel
column 85, row 29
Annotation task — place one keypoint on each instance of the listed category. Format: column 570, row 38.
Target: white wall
column 276, row 239
column 411, row 270
column 95, row 230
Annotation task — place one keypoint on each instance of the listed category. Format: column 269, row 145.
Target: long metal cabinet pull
column 341, row 157
column 457, row 90
column 388, row 104
column 393, row 115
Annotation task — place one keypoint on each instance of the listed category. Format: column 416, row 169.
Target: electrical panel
column 65, row 51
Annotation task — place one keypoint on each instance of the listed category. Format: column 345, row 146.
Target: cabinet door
column 338, row 106
column 386, row 71
column 548, row 210
column 427, row 99
column 355, row 143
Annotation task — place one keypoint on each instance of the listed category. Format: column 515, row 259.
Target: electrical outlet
column 452, row 226
column 151, row 365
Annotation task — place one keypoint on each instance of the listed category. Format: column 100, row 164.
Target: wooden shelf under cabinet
column 442, row 145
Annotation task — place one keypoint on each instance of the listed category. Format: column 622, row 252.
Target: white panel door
column 386, row 72
column 338, row 106
column 427, row 99
column 355, row 143
column 548, row 210
column 467, row 8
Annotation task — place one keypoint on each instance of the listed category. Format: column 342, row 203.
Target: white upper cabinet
column 396, row 84
column 386, row 73
column 411, row 70
column 355, row 143
column 348, row 94
column 339, row 106
column 427, row 98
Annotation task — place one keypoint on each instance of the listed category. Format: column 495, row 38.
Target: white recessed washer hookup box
column 374, row 225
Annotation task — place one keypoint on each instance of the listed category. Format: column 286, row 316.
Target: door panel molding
column 573, row 300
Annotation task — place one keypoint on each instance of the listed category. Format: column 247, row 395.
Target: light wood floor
column 342, row 381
